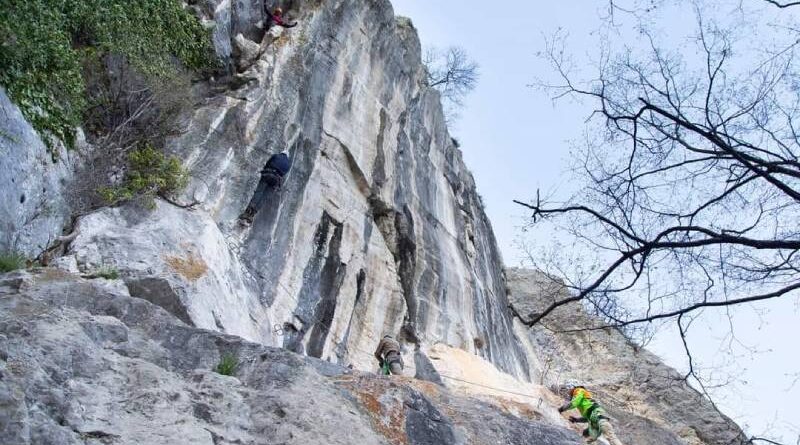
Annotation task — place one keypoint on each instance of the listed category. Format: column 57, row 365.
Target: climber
column 272, row 175
column 388, row 355
column 591, row 413
column 276, row 18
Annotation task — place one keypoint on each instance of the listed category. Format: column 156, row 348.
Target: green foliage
column 227, row 365
column 109, row 273
column 44, row 44
column 11, row 261
column 150, row 174
column 7, row 136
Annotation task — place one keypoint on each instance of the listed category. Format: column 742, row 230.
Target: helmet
column 277, row 11
column 285, row 152
column 571, row 384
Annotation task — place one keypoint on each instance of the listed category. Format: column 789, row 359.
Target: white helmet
column 571, row 384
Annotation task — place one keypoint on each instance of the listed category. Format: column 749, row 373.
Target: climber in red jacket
column 276, row 18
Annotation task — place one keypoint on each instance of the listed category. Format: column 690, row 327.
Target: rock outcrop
column 82, row 362
column 650, row 401
column 33, row 204
column 378, row 228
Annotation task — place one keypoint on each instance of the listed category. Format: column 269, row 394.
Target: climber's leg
column 273, row 180
column 255, row 202
column 396, row 368
column 608, row 432
column 592, row 432
column 269, row 181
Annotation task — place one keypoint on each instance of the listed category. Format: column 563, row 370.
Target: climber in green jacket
column 591, row 412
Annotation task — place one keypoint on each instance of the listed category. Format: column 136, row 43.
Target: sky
column 516, row 140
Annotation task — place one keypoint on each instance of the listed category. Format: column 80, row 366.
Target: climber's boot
column 246, row 218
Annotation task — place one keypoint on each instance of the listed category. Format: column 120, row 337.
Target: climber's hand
column 574, row 419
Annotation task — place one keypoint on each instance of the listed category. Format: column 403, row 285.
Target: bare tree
column 691, row 197
column 701, row 173
column 453, row 74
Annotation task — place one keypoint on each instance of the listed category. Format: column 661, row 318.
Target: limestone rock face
column 649, row 401
column 82, row 362
column 376, row 230
column 33, row 204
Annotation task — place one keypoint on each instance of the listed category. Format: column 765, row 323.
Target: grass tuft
column 10, row 261
column 109, row 273
column 227, row 365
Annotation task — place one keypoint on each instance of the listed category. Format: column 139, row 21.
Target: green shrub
column 45, row 43
column 227, row 365
column 109, row 273
column 150, row 174
column 11, row 261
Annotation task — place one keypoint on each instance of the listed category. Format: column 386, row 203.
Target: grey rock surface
column 377, row 229
column 33, row 207
column 650, row 402
column 81, row 362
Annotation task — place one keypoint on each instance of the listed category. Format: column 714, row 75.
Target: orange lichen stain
column 429, row 389
column 388, row 420
column 192, row 268
column 517, row 409
column 509, row 406
column 50, row 274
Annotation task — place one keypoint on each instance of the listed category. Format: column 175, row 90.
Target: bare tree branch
column 452, row 73
column 761, row 439
column 783, row 5
column 692, row 179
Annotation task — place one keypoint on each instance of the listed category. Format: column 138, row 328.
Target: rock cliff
column 82, row 362
column 649, row 400
column 378, row 228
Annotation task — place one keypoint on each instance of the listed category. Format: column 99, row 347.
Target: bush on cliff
column 150, row 173
column 45, row 46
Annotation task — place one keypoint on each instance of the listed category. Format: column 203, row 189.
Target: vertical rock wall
column 34, row 181
column 377, row 228
column 650, row 402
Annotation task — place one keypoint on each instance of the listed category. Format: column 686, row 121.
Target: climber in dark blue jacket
column 271, row 179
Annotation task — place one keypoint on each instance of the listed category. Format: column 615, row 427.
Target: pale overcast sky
column 515, row 140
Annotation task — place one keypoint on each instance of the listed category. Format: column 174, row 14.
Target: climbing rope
column 444, row 375
column 315, row 320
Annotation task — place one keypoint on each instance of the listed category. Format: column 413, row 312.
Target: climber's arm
column 574, row 403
